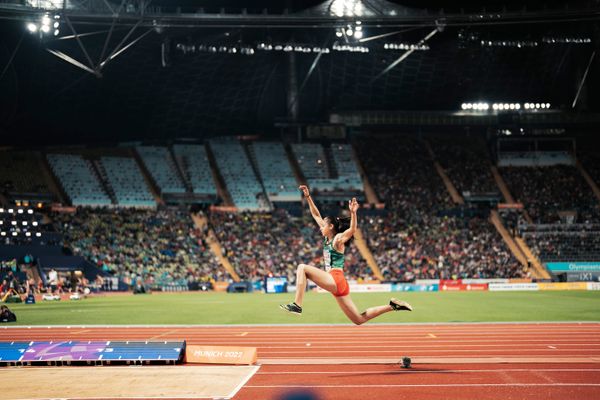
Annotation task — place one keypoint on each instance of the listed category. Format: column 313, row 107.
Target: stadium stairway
column 249, row 150
column 588, row 179
column 502, row 185
column 300, row 178
column 333, row 172
column 215, row 246
column 456, row 197
column 365, row 252
column 538, row 268
column 367, row 188
column 180, row 170
column 508, row 239
column 147, row 177
column 100, row 173
column 217, row 178
column 506, row 193
column 50, row 179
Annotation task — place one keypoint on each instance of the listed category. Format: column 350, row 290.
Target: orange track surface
column 458, row 361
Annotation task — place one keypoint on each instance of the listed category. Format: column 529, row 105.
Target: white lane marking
column 430, row 385
column 244, row 381
column 429, row 372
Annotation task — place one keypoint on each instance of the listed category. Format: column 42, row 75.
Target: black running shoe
column 399, row 305
column 292, row 308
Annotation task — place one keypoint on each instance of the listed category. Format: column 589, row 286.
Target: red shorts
column 342, row 285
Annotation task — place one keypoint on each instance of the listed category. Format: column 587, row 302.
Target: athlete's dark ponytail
column 340, row 225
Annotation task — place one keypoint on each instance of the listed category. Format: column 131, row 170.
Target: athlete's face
column 328, row 229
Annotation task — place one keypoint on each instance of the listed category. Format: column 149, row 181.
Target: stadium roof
column 191, row 73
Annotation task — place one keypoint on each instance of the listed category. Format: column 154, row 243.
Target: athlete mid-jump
column 336, row 234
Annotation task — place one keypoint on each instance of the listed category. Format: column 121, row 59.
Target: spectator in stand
column 53, row 281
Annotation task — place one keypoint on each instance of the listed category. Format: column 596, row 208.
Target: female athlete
column 334, row 243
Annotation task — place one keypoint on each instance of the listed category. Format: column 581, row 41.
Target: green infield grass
column 259, row 308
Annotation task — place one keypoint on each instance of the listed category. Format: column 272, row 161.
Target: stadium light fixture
column 34, row 223
column 31, row 27
column 38, row 234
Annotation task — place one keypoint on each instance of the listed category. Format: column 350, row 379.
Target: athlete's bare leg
column 348, row 307
column 321, row 278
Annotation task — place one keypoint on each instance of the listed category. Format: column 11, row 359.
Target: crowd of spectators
column 566, row 242
column 158, row 247
column 12, row 279
column 416, row 237
column 548, row 192
column 467, row 163
column 259, row 244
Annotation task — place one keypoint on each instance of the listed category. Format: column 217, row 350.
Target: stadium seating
column 565, row 242
column 78, row 180
column 417, row 237
column 275, row 170
column 466, row 162
column 547, row 191
column 20, row 173
column 160, row 247
column 193, row 161
column 127, row 182
column 161, row 166
column 275, row 243
column 312, row 161
column 348, row 175
column 240, row 179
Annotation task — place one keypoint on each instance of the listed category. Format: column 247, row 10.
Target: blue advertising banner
column 573, row 266
column 406, row 287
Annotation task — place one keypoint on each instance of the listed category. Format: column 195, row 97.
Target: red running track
column 457, row 361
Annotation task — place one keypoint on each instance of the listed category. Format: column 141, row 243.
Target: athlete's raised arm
column 348, row 233
column 314, row 211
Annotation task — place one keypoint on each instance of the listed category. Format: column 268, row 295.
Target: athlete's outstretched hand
column 353, row 205
column 304, row 189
